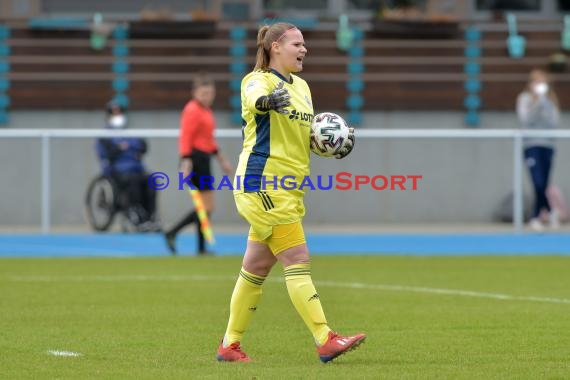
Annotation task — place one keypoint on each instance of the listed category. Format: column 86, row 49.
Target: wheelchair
column 106, row 199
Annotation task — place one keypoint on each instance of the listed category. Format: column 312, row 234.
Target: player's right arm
column 260, row 97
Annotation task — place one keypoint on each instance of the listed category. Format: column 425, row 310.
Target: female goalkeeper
column 277, row 113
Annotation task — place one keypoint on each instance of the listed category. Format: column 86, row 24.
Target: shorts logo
column 313, row 297
column 266, row 200
column 303, row 116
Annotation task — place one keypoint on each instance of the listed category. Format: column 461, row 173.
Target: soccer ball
column 328, row 132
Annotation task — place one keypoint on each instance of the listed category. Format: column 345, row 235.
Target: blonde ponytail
column 265, row 37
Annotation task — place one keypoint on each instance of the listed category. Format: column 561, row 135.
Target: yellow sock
column 243, row 304
column 306, row 300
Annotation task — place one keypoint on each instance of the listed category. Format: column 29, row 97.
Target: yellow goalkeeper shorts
column 284, row 236
column 274, row 216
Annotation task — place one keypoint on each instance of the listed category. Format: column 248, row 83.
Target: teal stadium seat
column 120, row 67
column 121, row 84
column 120, row 50
column 472, row 68
column 472, row 102
column 238, row 33
column 355, row 85
column 472, row 85
column 4, row 84
column 354, row 102
column 472, row 51
column 4, row 101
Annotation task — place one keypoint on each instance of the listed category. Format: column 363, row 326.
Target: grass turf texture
column 163, row 318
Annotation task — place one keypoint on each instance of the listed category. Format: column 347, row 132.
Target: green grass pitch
column 162, row 318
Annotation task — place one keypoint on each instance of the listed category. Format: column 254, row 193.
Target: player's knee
column 294, row 255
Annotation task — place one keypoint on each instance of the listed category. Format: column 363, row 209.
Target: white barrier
column 514, row 134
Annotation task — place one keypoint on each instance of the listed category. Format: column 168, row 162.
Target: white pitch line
column 350, row 285
column 450, row 292
column 64, row 353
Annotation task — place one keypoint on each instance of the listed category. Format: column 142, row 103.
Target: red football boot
column 231, row 353
column 337, row 345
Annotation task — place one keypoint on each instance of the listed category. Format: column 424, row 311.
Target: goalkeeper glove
column 277, row 100
column 347, row 145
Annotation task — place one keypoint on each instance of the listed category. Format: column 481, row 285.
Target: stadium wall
column 463, row 181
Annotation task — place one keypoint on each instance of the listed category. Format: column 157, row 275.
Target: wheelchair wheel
column 101, row 203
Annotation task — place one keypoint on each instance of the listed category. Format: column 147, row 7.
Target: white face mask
column 540, row 88
column 118, row 121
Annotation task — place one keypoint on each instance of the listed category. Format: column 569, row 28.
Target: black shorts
column 202, row 178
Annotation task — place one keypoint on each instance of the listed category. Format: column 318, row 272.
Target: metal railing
column 516, row 135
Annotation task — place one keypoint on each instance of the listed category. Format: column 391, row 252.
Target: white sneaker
column 536, row 225
column 554, row 219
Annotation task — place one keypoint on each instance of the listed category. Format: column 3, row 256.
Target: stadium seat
column 472, row 51
column 4, row 50
column 237, row 33
column 4, row 84
column 120, row 33
column 355, row 85
column 120, row 50
column 472, row 34
column 120, row 67
column 355, row 102
column 238, row 50
column 4, row 101
column 4, row 32
column 472, row 68
column 472, row 85
column 472, row 102
column 120, row 84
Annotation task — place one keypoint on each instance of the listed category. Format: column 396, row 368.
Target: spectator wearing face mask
column 121, row 159
column 537, row 108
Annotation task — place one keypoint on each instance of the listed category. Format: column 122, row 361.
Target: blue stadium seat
column 472, row 118
column 235, row 84
column 472, row 85
column 472, row 34
column 120, row 67
column 4, row 32
column 354, row 102
column 4, row 50
column 120, row 50
column 354, row 118
column 472, row 68
column 238, row 50
column 4, row 119
column 355, row 68
column 235, row 101
column 237, row 33
column 236, row 117
column 355, row 85
column 4, row 67
column 358, row 33
column 472, row 51
column 472, row 102
column 4, row 101
column 120, row 33
column 4, row 84
column 238, row 67
column 356, row 51
column 120, row 84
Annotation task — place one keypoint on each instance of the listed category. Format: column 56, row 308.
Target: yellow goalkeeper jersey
column 274, row 145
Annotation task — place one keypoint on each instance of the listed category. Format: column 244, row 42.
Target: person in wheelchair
column 122, row 161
